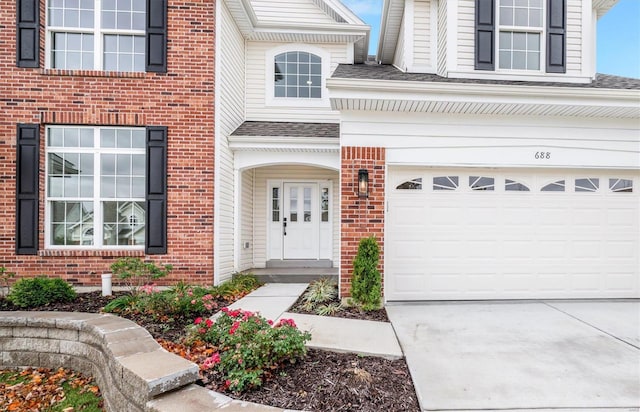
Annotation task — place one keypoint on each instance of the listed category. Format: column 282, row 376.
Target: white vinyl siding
column 256, row 101
column 287, row 174
column 289, row 11
column 466, row 35
column 442, row 38
column 231, row 95
column 441, row 139
column 422, row 36
column 574, row 37
column 246, row 219
column 398, row 57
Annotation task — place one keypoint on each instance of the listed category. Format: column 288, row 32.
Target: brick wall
column 360, row 217
column 181, row 99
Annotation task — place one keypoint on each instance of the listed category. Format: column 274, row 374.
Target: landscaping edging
column 133, row 371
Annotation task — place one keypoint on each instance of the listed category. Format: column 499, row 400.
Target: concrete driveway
column 517, row 356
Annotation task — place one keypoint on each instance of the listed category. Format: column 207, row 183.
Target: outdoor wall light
column 363, row 183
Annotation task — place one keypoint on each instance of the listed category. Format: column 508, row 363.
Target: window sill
column 90, row 253
column 92, row 73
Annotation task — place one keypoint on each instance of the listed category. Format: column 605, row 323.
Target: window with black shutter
column 514, row 31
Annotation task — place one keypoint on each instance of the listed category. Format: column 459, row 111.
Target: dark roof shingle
column 374, row 71
column 288, row 129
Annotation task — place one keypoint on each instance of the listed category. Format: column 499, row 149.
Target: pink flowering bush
column 249, row 346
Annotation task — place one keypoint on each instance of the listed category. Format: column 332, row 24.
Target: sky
column 618, row 35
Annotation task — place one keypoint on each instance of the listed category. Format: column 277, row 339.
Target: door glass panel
column 513, row 186
column 554, row 187
column 413, row 184
column 307, row 204
column 275, row 204
column 293, row 204
column 481, row 183
column 587, row 184
column 621, row 185
column 324, row 204
column 445, row 183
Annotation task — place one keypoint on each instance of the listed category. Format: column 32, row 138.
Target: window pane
column 293, row 70
column 413, row 184
column 554, row 187
column 481, row 183
column 519, row 60
column 587, row 185
column 506, row 16
column 621, row 185
column 445, row 183
column 513, row 186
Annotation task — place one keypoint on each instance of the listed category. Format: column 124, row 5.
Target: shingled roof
column 288, row 129
column 372, row 71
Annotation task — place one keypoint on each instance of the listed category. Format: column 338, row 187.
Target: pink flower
column 286, row 322
column 149, row 289
column 193, row 302
column 190, row 292
column 198, row 321
column 270, row 322
column 211, row 361
column 225, row 309
column 209, row 323
column 207, row 297
column 234, row 328
column 239, row 361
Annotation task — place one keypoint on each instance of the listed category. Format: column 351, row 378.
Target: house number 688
column 543, row 155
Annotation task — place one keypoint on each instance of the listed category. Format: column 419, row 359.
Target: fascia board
column 362, row 29
column 479, row 93
column 344, row 11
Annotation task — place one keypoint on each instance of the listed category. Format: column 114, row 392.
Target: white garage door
column 471, row 234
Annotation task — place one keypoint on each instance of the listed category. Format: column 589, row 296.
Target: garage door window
column 557, row 186
column 481, row 183
column 621, row 185
column 587, row 184
column 413, row 184
column 513, row 186
column 445, row 183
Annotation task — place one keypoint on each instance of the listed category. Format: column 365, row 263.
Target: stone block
column 107, row 324
column 127, row 348
column 192, row 398
column 32, row 345
column 20, row 358
column 75, row 320
column 63, row 334
column 6, row 331
column 160, row 371
column 13, row 318
column 27, row 332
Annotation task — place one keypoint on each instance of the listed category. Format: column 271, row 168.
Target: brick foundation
column 360, row 217
column 181, row 99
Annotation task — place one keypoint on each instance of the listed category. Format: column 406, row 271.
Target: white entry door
column 301, row 221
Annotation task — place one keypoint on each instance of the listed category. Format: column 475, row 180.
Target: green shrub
column 248, row 347
column 366, row 285
column 30, row 293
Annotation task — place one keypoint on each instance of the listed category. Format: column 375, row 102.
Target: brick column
column 360, row 218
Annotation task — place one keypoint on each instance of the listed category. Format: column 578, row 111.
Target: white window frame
column 98, row 37
column 98, row 218
column 271, row 100
column 521, row 29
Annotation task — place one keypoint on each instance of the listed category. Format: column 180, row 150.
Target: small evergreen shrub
column 248, row 346
column 39, row 291
column 366, row 285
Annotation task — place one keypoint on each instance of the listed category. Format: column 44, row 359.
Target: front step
column 300, row 263
column 292, row 275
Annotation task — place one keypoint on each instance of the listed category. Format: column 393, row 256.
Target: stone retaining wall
column 129, row 366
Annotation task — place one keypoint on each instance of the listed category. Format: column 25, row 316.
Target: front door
column 300, row 221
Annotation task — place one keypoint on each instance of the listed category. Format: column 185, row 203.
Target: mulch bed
column 347, row 312
column 324, row 381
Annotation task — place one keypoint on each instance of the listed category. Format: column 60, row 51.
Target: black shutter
column 156, row 59
column 485, row 35
column 27, row 188
column 28, row 33
column 156, row 191
column 556, row 36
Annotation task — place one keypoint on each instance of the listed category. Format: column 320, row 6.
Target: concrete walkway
column 580, row 356
column 335, row 334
